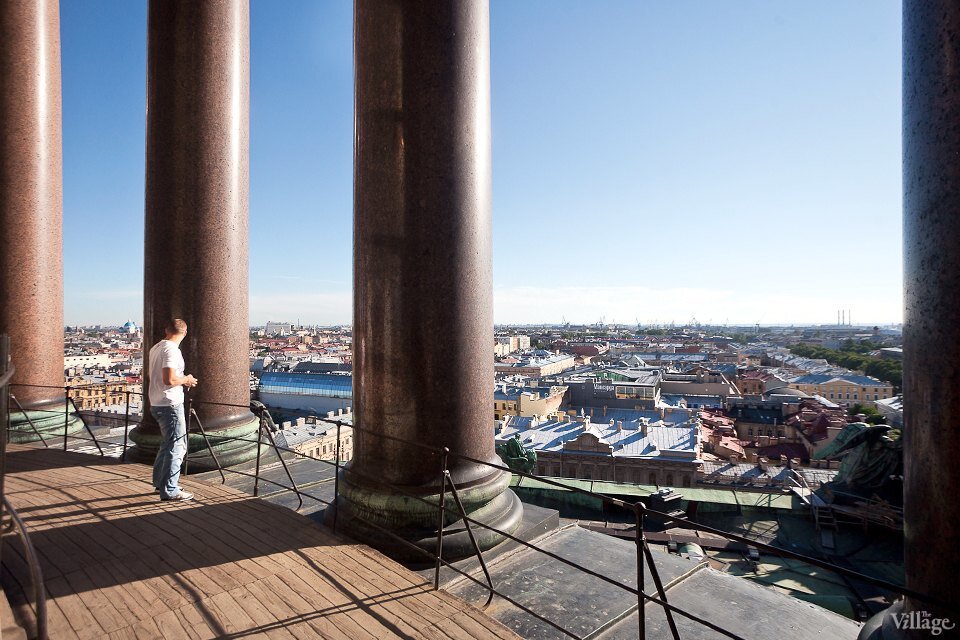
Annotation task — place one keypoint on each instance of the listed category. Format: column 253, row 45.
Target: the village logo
column 922, row 621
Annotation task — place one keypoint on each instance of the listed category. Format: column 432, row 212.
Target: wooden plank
column 169, row 625
column 74, row 610
column 98, row 603
column 268, row 592
column 262, row 617
column 229, row 615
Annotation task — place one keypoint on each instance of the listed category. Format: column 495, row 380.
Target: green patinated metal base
column 231, row 445
column 367, row 513
column 25, row 425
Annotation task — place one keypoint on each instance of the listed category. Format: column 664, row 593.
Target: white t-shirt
column 165, row 355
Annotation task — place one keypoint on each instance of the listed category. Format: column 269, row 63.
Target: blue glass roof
column 307, row 384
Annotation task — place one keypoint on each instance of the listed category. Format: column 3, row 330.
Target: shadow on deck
column 118, row 562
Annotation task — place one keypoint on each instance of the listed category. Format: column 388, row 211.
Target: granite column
column 931, row 337
column 31, row 214
column 195, row 257
column 423, row 308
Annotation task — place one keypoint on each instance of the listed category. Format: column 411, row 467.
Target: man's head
column 175, row 330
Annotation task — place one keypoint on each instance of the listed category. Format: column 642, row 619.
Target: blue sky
column 655, row 161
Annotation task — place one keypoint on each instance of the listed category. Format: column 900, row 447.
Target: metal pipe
column 66, row 415
column 256, row 477
column 440, row 518
column 36, row 576
column 126, row 423
column 641, row 601
column 336, row 480
column 473, row 540
column 206, row 441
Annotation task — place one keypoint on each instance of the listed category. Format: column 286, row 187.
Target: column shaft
column 31, row 209
column 197, row 163
column 423, row 309
column 931, row 183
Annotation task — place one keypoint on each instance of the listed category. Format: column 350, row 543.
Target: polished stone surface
column 195, row 267
column 580, row 603
column 738, row 605
column 931, row 336
column 589, row 607
column 423, row 306
column 31, row 198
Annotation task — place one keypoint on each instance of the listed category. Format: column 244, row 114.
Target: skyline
column 654, row 164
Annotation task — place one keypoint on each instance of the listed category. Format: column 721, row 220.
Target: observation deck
column 117, row 562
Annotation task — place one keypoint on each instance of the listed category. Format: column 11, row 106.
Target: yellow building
column 519, row 400
column 94, row 395
column 845, row 390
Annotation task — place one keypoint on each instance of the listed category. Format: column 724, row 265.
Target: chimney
column 734, row 459
column 604, row 411
column 762, row 463
column 785, row 461
column 619, row 425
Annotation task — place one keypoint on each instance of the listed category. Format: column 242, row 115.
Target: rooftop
column 631, row 440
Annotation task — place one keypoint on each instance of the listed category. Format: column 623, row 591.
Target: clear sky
column 652, row 161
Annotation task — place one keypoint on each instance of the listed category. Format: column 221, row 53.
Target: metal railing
column 455, row 512
column 6, row 509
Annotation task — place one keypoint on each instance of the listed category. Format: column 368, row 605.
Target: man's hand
column 190, row 381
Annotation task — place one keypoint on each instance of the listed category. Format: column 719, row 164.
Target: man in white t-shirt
column 165, row 366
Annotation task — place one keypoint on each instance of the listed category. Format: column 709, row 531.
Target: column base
column 231, row 445
column 46, row 419
column 883, row 625
column 370, row 514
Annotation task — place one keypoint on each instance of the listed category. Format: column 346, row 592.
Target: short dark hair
column 175, row 327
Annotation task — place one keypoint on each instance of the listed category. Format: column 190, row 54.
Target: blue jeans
column 173, row 444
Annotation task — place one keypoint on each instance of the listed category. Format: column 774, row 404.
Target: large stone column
column 423, row 309
column 931, row 341
column 195, row 267
column 31, row 213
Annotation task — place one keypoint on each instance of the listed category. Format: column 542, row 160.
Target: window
column 854, row 396
column 875, row 397
column 652, row 479
column 669, row 479
column 750, row 432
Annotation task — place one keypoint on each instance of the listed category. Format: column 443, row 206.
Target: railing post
column 188, row 417
column 336, row 479
column 66, row 414
column 256, row 475
column 641, row 600
column 126, row 422
column 440, row 505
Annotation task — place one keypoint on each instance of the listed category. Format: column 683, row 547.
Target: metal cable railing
column 6, row 509
column 455, row 512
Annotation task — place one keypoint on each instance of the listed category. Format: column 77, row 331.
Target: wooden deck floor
column 119, row 563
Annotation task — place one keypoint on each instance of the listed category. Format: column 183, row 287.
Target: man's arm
column 171, row 378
